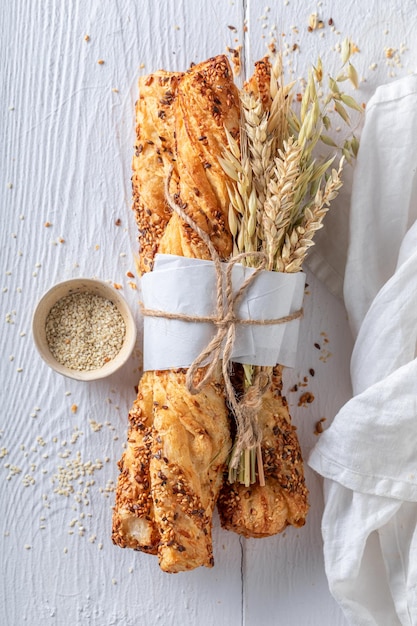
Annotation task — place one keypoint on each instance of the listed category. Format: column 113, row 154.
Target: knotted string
column 220, row 347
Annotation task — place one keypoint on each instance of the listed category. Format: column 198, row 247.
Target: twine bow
column 220, row 347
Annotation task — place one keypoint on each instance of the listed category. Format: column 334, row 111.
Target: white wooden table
column 67, row 136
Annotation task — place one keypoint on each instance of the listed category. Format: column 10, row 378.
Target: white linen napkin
column 368, row 456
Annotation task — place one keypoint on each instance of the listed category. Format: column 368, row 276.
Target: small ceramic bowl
column 81, row 285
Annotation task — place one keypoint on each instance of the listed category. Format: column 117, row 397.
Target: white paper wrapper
column 188, row 286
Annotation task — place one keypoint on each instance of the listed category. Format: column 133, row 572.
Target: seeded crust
column 207, row 101
column 188, row 437
column 188, row 458
column 264, row 511
column 194, row 430
column 154, row 155
column 133, row 524
column 259, row 82
column 133, row 517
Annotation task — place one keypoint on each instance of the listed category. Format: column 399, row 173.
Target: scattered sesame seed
column 86, row 37
column 28, row 480
column 9, row 185
column 100, row 62
column 47, row 224
column 14, row 469
column 74, row 408
column 19, row 370
column 9, row 318
column 95, row 426
column 27, row 546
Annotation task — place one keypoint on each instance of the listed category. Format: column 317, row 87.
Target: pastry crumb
column 306, row 398
column 319, row 426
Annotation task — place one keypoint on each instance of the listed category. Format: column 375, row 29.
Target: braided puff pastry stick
column 262, row 511
column 192, row 439
column 133, row 519
column 191, row 434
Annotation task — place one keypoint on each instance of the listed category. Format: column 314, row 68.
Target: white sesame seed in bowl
column 83, row 328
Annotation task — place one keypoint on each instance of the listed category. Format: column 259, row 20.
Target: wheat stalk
column 259, row 155
column 300, row 239
column 242, row 195
column 279, row 206
column 281, row 97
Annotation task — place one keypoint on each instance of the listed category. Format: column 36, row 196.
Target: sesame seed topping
column 84, row 331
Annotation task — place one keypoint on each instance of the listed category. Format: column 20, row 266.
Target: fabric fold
column 368, row 455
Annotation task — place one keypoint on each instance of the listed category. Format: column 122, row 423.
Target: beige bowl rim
column 80, row 285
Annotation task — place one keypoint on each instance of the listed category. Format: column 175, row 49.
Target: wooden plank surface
column 67, row 137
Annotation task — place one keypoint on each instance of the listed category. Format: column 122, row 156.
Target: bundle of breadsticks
column 192, row 187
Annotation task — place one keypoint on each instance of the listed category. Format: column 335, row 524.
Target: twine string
column 220, row 347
